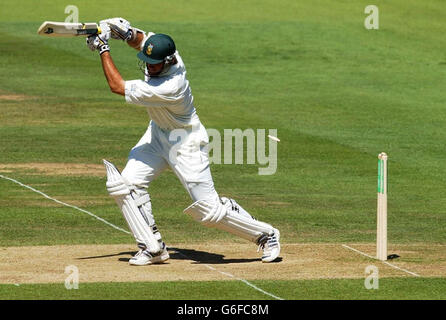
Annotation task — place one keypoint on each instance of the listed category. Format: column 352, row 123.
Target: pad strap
column 142, row 200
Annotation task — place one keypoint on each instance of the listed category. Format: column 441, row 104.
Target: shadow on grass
column 126, row 253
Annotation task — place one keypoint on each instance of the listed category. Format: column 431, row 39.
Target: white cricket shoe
column 144, row 257
column 271, row 247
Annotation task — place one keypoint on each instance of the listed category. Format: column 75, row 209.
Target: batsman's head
column 157, row 48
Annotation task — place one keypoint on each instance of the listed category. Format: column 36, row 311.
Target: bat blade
column 68, row 29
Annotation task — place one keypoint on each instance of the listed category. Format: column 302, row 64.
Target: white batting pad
column 238, row 224
column 131, row 206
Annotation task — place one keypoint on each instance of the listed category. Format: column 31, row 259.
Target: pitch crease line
column 125, row 231
column 385, row 262
column 63, row 203
column 234, row 277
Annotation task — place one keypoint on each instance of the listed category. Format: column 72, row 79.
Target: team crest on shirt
column 149, row 49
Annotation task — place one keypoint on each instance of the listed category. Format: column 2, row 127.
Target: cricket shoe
column 270, row 246
column 143, row 257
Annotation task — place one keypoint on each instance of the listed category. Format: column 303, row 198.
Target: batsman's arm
column 114, row 78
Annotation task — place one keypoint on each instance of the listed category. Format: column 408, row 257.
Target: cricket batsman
column 167, row 96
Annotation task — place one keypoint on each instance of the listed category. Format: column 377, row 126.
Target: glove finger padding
column 99, row 43
column 120, row 28
column 90, row 42
column 105, row 31
column 117, row 33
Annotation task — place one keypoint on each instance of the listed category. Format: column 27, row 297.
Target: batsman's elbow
column 118, row 88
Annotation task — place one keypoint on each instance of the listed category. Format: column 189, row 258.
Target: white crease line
column 234, row 277
column 353, row 249
column 245, row 282
column 125, row 231
column 258, row 289
column 385, row 262
column 65, row 204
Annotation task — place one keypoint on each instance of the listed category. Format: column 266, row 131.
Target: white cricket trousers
column 184, row 150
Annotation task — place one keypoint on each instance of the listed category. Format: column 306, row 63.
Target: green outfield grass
column 390, row 288
column 338, row 95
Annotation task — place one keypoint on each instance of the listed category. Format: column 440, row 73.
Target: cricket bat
column 68, row 29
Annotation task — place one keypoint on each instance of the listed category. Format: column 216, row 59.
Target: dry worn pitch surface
column 213, row 261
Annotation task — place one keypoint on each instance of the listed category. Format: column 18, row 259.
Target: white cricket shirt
column 168, row 97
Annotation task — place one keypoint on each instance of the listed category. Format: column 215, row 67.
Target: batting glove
column 100, row 41
column 120, row 28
